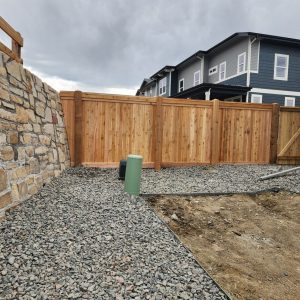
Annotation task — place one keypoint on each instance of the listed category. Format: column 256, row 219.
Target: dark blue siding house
column 247, row 66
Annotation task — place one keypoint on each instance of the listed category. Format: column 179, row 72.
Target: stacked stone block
column 33, row 140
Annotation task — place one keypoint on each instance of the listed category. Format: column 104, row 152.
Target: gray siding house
column 247, row 66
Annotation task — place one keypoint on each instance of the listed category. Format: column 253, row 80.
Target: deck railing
column 17, row 41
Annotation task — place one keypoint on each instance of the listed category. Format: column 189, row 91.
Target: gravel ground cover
column 82, row 237
column 218, row 179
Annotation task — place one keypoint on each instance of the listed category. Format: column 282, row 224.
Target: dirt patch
column 249, row 244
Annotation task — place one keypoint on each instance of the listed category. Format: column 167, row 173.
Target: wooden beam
column 274, row 133
column 16, row 36
column 78, row 128
column 146, row 165
column 10, row 53
column 215, row 132
column 289, row 109
column 289, row 144
column 289, row 158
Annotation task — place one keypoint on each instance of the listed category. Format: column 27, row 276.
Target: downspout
column 249, row 64
column 201, row 58
column 207, row 94
column 170, row 82
column 202, row 70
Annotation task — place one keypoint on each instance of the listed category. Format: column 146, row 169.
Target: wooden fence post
column 157, row 133
column 215, row 132
column 274, row 133
column 16, row 48
column 78, row 128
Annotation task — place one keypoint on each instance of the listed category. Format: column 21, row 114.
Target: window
column 197, row 78
column 213, row 70
column 150, row 92
column 162, row 86
column 241, row 63
column 255, row 98
column 281, row 67
column 222, row 71
column 289, row 101
column 181, row 85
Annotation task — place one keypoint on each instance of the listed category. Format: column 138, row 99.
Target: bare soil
column 249, row 244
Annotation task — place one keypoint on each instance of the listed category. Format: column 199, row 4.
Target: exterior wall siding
column 238, row 80
column 272, row 98
column 228, row 54
column 264, row 79
column 188, row 74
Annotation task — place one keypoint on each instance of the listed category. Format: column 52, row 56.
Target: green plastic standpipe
column 133, row 174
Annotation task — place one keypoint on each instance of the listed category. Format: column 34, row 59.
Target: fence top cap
column 135, row 156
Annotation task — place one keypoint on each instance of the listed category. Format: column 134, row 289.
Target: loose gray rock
column 82, row 237
column 11, row 260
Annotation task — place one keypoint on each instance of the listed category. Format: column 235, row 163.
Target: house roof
column 162, row 71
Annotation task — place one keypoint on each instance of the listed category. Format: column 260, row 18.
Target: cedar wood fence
column 103, row 129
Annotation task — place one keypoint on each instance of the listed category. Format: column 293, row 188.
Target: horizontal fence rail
column 103, row 129
column 17, row 41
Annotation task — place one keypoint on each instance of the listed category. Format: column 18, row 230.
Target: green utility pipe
column 133, row 174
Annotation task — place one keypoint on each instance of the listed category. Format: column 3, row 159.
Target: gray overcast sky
column 111, row 45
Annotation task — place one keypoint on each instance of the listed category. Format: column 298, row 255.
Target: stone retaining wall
column 33, row 140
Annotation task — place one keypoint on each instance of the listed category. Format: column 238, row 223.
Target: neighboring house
column 247, row 66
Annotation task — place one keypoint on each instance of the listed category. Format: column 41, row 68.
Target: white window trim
column 238, row 63
column 220, row 68
column 181, row 80
column 291, row 99
column 211, row 72
column 258, row 96
column 287, row 68
column 197, row 72
column 163, row 86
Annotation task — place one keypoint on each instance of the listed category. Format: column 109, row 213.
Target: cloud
column 61, row 84
column 112, row 45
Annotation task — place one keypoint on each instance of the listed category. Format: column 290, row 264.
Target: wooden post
column 215, row 132
column 157, row 134
column 16, row 48
column 78, row 128
column 274, row 133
